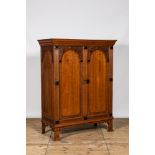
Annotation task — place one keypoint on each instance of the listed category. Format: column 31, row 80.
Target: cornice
column 75, row 42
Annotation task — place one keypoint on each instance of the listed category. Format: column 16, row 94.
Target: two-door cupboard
column 76, row 82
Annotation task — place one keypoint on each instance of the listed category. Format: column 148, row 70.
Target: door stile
column 84, row 84
column 56, row 82
column 110, row 76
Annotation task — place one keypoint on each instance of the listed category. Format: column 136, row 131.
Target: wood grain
column 47, row 78
column 97, row 100
column 70, row 86
column 76, row 83
column 56, row 87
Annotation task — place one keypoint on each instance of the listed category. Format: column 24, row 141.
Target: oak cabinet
column 76, row 82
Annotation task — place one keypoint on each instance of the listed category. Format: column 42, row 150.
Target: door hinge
column 85, row 117
column 56, row 122
column 111, row 79
column 56, row 83
column 87, row 81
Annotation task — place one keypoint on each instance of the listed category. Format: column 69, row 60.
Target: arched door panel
column 98, row 85
column 70, row 85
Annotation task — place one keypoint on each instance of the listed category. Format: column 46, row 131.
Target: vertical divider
column 110, row 76
column 56, row 78
column 84, row 84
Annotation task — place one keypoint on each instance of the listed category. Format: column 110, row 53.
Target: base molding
column 56, row 128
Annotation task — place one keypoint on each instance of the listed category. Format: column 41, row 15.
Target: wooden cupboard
column 76, row 82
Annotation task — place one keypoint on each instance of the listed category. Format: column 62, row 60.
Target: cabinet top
column 76, row 42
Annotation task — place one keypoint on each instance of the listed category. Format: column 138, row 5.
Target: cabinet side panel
column 46, row 82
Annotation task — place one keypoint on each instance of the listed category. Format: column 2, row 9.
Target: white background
column 13, row 77
column 95, row 19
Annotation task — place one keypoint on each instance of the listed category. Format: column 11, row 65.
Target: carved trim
column 105, row 50
column 77, row 49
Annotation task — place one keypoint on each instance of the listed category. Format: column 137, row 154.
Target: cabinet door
column 70, row 84
column 98, row 82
